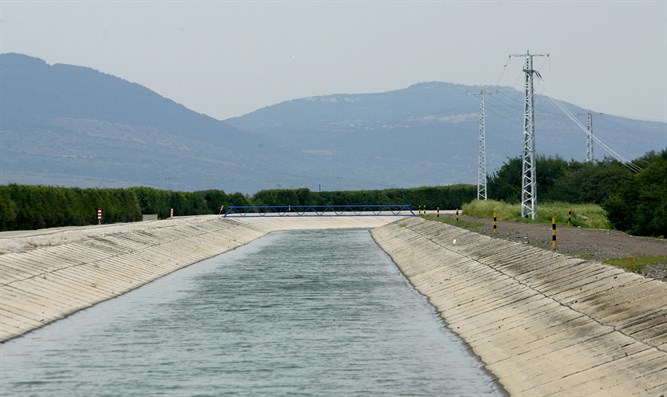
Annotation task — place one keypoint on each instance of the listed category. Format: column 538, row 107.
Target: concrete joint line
column 131, row 251
column 614, row 328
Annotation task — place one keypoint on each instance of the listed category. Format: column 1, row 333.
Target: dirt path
column 593, row 244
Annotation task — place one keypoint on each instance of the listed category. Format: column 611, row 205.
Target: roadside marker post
column 171, row 213
column 553, row 233
column 457, row 214
column 495, row 223
column 99, row 216
column 437, row 209
column 569, row 217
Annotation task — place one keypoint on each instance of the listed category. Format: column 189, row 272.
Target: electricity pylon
column 528, row 173
column 481, row 148
column 589, row 142
column 590, row 157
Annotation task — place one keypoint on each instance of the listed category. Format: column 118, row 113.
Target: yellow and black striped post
column 495, row 224
column 569, row 217
column 553, row 233
column 457, row 214
column 437, row 209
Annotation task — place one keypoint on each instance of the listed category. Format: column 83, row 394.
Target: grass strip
column 636, row 263
column 452, row 221
column 583, row 215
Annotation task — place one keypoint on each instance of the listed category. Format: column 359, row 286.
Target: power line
column 633, row 167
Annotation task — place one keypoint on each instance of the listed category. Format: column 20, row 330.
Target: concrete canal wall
column 48, row 274
column 543, row 323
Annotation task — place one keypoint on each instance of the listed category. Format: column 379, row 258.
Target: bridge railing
column 236, row 211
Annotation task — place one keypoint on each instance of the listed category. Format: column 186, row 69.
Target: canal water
column 301, row 313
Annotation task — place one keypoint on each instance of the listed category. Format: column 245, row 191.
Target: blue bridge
column 319, row 210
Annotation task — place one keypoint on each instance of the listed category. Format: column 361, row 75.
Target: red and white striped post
column 171, row 213
column 99, row 216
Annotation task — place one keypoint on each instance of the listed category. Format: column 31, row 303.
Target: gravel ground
column 592, row 244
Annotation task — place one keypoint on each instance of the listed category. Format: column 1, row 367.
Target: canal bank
column 543, row 323
column 306, row 312
column 49, row 274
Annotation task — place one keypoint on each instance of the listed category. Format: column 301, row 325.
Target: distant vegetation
column 435, row 196
column 35, row 207
column 602, row 195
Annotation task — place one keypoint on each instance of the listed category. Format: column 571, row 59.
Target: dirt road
column 593, row 244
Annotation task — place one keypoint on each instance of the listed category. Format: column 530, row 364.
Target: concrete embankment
column 48, row 274
column 543, row 323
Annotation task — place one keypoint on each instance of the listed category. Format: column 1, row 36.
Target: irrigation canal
column 319, row 312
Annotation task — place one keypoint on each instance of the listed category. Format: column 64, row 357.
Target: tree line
column 24, row 207
column 445, row 197
column 634, row 202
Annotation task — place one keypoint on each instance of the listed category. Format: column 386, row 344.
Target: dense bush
column 639, row 206
column 35, row 207
column 636, row 203
column 441, row 196
column 560, row 180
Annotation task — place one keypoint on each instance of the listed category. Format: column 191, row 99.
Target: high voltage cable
column 502, row 116
column 628, row 163
column 509, row 59
column 633, row 167
column 569, row 114
column 610, row 120
column 497, row 99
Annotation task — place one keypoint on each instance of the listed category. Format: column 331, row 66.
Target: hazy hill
column 70, row 125
column 427, row 133
column 74, row 126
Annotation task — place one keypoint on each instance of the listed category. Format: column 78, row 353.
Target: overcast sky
column 228, row 58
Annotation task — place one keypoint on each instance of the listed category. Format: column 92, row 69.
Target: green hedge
column 36, row 207
column 445, row 197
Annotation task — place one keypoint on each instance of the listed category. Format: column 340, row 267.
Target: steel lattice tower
column 589, row 143
column 481, row 149
column 528, row 173
column 481, row 155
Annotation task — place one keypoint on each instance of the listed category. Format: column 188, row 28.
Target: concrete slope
column 48, row 274
column 543, row 323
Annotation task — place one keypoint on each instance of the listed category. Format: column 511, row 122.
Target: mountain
column 428, row 133
column 74, row 126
